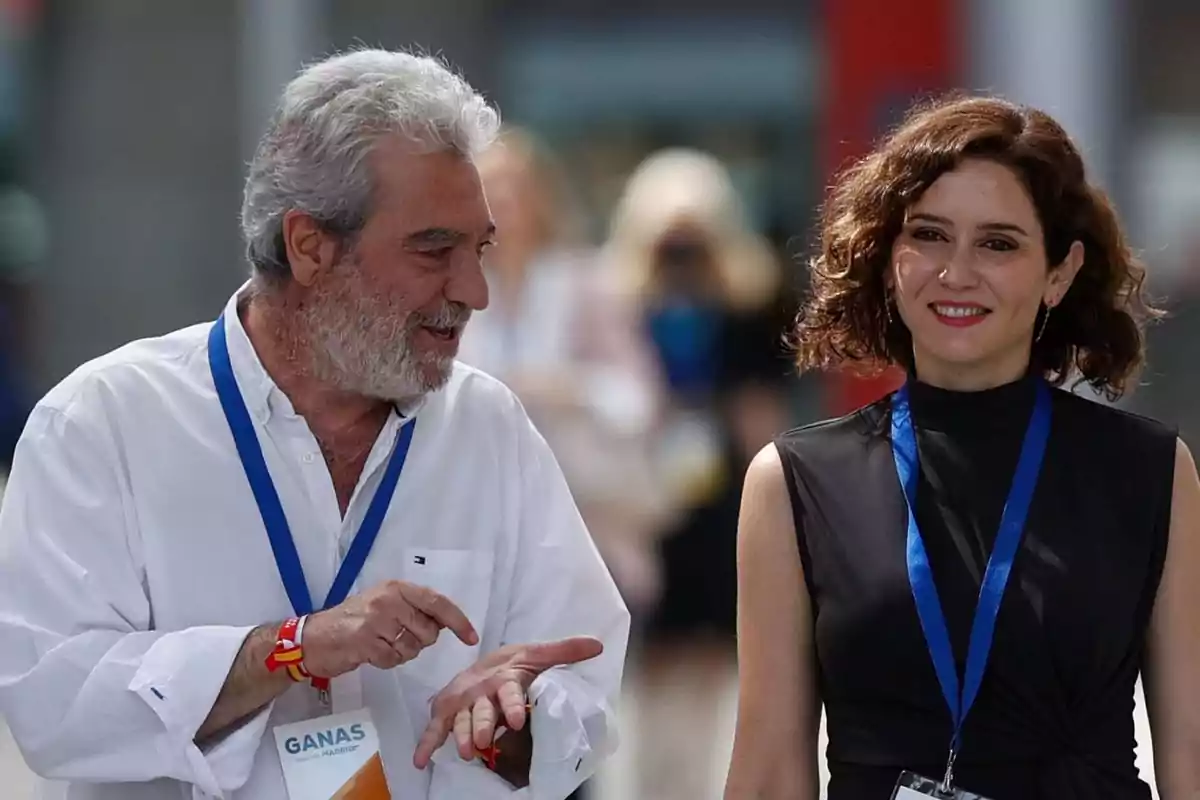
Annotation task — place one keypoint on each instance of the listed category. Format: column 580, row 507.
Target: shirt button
column 310, row 458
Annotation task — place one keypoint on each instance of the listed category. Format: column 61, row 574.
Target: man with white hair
column 227, row 555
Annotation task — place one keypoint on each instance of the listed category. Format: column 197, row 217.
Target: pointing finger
column 444, row 612
column 546, row 655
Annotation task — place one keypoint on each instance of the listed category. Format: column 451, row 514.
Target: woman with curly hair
column 970, row 574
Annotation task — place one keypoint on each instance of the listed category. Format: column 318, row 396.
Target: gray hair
column 314, row 154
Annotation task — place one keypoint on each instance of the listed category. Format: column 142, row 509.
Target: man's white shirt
column 134, row 562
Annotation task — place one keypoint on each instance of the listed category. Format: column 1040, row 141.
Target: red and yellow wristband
column 488, row 756
column 289, row 654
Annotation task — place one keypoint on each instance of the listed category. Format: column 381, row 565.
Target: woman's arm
column 1172, row 679
column 775, row 747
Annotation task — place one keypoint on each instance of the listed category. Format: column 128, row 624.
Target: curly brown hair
column 1095, row 331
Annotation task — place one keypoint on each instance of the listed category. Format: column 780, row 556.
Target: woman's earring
column 887, row 309
column 1045, row 319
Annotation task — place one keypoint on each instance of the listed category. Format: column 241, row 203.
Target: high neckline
column 1001, row 407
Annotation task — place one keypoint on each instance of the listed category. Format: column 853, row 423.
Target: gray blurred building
column 139, row 115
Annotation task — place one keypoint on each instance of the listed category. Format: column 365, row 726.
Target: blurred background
column 655, row 193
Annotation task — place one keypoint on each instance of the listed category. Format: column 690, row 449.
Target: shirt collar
column 253, row 380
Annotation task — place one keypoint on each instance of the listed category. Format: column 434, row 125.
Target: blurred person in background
column 708, row 291
column 558, row 334
column 555, row 331
column 22, row 247
column 967, row 574
column 174, row 504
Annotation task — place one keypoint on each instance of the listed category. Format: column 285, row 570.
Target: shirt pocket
column 464, row 577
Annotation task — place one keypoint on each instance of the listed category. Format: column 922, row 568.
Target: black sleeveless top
column 1054, row 715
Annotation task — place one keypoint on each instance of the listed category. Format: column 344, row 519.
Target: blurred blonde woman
column 556, row 332
column 708, row 291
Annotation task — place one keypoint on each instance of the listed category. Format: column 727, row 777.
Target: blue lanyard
column 282, row 544
column 999, row 567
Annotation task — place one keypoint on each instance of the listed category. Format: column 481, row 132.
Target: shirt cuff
column 573, row 732
column 179, row 678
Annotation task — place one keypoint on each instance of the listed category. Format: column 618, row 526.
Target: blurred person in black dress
column 709, row 292
column 980, row 540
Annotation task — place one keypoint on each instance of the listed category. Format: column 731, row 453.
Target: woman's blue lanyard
column 999, row 567
column 283, row 545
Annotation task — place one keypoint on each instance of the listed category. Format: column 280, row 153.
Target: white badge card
column 332, row 758
column 912, row 786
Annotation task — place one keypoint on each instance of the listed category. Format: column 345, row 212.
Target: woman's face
column 969, row 273
column 683, row 262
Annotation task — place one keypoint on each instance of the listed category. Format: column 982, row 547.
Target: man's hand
column 473, row 702
column 385, row 626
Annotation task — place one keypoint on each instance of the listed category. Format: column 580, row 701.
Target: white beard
column 361, row 342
